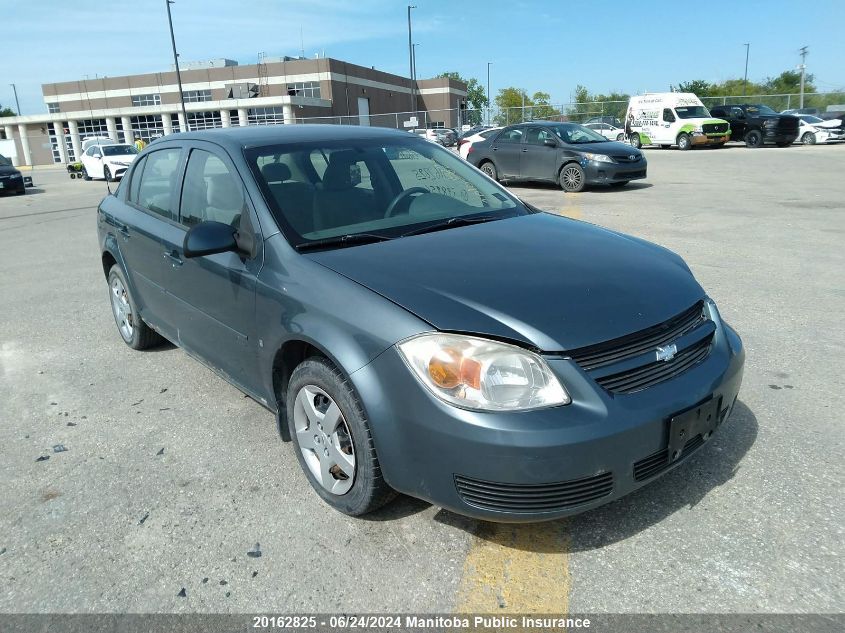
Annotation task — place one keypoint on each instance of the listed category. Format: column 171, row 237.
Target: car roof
column 260, row 135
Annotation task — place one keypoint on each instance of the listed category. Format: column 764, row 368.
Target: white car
column 465, row 143
column 107, row 161
column 809, row 134
column 832, row 127
column 610, row 132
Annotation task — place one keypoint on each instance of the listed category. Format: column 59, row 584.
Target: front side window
column 379, row 188
column 157, row 180
column 692, row 112
column 210, row 192
column 668, row 116
column 760, row 109
column 537, row 136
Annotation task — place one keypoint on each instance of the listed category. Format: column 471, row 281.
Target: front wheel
column 107, row 174
column 809, row 138
column 489, row 169
column 754, row 139
column 572, row 178
column 620, row 137
column 85, row 175
column 636, row 141
column 684, row 142
column 134, row 332
column 332, row 437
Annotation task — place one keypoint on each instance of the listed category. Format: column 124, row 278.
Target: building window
column 195, row 96
column 146, row 100
column 147, row 127
column 265, row 116
column 305, row 89
column 53, row 108
column 92, row 128
column 204, row 120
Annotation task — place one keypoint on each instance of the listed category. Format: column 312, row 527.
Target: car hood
column 830, row 123
column 7, row 170
column 547, row 281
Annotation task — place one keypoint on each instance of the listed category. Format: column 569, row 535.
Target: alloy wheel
column 324, row 438
column 571, row 177
column 122, row 309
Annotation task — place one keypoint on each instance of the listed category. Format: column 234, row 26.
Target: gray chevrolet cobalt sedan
column 414, row 327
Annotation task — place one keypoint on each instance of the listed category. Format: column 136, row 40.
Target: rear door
column 506, row 152
column 539, row 161
column 212, row 298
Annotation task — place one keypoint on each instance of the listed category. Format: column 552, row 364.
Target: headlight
column 16, row 175
column 698, row 129
column 601, row 158
column 475, row 373
column 770, row 123
column 714, row 312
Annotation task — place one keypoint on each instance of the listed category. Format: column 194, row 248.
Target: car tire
column 85, row 175
column 636, row 141
column 619, row 184
column 572, row 178
column 808, row 138
column 107, row 174
column 754, row 139
column 138, row 335
column 684, row 142
column 620, row 137
column 490, row 169
column 316, row 387
column 21, row 192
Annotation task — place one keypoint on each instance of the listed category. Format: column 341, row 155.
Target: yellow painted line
column 516, row 569
column 571, row 206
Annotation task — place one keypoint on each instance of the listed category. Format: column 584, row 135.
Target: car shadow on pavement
column 712, row 466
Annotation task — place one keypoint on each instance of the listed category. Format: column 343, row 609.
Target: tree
column 542, row 109
column 698, row 87
column 588, row 105
column 509, row 101
column 7, row 111
column 788, row 82
column 476, row 96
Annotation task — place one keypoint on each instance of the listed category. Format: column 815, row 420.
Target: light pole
column 176, row 62
column 411, row 61
column 17, row 105
column 488, row 92
column 745, row 80
column 414, row 61
column 803, row 52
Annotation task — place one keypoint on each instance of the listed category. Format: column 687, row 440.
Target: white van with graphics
column 673, row 118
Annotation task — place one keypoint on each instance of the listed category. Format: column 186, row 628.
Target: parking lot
column 172, row 479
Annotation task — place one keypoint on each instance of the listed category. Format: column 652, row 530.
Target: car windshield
column 372, row 188
column 809, row 118
column 575, row 134
column 5, row 162
column 760, row 109
column 118, row 150
column 692, row 112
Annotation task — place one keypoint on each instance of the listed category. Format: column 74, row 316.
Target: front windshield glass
column 575, row 134
column 119, row 150
column 760, row 109
column 5, row 162
column 809, row 118
column 692, row 112
column 387, row 188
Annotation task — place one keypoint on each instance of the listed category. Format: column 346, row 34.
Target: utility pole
column 488, row 92
column 745, row 80
column 803, row 67
column 178, row 74
column 414, row 62
column 411, row 62
column 17, row 105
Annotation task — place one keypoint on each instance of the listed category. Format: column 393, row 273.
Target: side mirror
column 209, row 238
column 550, row 142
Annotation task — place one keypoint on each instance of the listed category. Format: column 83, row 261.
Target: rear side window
column 210, row 191
column 510, row 136
column 157, row 181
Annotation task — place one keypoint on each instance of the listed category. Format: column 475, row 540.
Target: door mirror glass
column 209, row 238
column 550, row 142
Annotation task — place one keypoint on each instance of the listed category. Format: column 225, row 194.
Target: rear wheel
column 332, row 437
column 572, row 178
column 754, row 139
column 620, row 137
column 809, row 138
column 684, row 141
column 134, row 332
column 85, row 175
column 107, row 174
column 490, row 169
column 636, row 141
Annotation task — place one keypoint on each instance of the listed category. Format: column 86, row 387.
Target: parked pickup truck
column 758, row 124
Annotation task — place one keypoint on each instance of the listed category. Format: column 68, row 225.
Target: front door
column 539, row 161
column 507, row 153
column 212, row 298
column 664, row 132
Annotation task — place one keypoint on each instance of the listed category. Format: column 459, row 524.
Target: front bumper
column 605, row 173
column 699, row 138
column 12, row 185
column 582, row 455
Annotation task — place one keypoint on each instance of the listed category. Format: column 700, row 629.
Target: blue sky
column 536, row 45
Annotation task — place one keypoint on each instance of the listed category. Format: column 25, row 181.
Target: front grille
column 656, row 463
column 501, row 497
column 715, row 128
column 632, row 345
column 788, row 124
column 649, row 375
column 626, row 158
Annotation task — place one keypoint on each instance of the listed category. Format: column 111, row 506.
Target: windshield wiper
column 342, row 240
column 448, row 224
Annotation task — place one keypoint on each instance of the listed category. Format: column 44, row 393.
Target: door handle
column 524, row 149
column 123, row 230
column 495, row 148
column 173, row 258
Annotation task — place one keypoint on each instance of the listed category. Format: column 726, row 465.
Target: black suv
column 10, row 178
column 758, row 124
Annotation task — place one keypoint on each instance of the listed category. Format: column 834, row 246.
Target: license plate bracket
column 702, row 419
